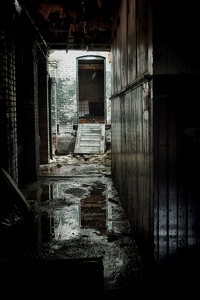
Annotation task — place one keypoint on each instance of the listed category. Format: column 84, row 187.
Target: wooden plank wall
column 132, row 161
column 176, row 164
column 130, row 42
column 131, row 124
column 174, row 38
column 176, row 70
column 155, row 153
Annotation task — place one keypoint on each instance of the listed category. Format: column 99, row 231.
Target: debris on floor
column 78, row 216
column 76, row 164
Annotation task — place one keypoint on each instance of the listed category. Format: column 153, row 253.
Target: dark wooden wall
column 176, row 165
column 131, row 43
column 132, row 159
column 155, row 124
column 176, row 69
column 132, row 119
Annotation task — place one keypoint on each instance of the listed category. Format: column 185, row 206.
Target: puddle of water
column 92, row 212
column 64, row 221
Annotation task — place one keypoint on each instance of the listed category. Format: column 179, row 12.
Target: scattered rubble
column 80, row 217
column 66, row 165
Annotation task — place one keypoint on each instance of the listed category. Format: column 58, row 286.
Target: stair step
column 90, row 139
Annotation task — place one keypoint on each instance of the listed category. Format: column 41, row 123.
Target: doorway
column 91, row 105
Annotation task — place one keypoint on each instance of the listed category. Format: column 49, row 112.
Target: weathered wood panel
column 174, row 39
column 157, row 157
column 176, row 163
column 131, row 162
column 142, row 37
column 131, row 40
column 123, row 26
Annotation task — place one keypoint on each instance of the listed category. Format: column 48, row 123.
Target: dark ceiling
column 73, row 24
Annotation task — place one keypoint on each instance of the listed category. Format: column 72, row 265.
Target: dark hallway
column 153, row 162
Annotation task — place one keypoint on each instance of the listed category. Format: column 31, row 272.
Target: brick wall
column 66, row 86
column 108, row 92
column 52, row 72
column 8, row 95
column 31, row 156
column 43, row 77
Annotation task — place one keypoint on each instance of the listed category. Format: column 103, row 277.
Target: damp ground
column 78, row 215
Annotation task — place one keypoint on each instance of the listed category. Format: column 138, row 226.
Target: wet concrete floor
column 78, row 215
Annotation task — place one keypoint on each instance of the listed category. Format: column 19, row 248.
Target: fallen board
column 90, row 139
column 15, row 194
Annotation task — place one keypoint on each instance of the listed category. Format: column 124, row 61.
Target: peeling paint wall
column 66, row 86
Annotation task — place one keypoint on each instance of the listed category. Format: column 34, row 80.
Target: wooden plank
column 123, row 23
column 131, row 41
column 89, row 138
column 134, row 156
column 155, row 182
column 14, row 192
column 163, row 175
column 173, row 172
column 142, row 37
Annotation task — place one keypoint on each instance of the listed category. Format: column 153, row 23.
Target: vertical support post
column 43, row 94
column 105, row 102
column 50, row 120
column 77, row 91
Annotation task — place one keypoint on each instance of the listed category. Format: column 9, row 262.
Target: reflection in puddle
column 70, row 221
column 66, row 223
column 92, row 214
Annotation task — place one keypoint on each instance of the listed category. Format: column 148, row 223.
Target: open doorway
column 80, row 89
column 91, row 98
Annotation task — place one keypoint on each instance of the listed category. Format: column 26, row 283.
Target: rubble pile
column 78, row 158
column 100, row 158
